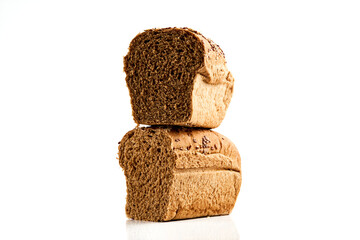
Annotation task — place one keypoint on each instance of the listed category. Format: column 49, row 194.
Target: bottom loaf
column 177, row 173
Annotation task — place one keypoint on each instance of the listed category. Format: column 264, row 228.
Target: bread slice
column 177, row 173
column 176, row 76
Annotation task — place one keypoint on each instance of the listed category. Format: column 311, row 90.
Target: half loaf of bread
column 176, row 76
column 177, row 173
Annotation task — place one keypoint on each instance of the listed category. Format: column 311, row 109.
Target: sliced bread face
column 177, row 173
column 176, row 76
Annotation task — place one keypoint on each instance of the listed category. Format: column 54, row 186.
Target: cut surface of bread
column 177, row 173
column 176, row 76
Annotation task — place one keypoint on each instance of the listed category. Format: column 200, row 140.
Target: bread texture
column 177, row 173
column 176, row 76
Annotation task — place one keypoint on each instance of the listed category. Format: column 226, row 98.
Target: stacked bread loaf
column 178, row 168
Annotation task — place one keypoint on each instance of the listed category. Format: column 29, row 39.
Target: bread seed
column 215, row 146
column 194, row 140
column 177, row 140
column 205, row 140
column 212, row 148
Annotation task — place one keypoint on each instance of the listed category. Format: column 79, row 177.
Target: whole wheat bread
column 177, row 173
column 176, row 76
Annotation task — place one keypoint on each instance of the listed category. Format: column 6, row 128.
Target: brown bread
column 176, row 76
column 177, row 173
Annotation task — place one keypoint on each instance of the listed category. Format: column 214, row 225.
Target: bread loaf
column 176, row 76
column 177, row 173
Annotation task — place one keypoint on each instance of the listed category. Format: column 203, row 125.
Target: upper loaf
column 176, row 76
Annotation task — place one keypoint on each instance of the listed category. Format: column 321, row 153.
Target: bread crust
column 213, row 87
column 202, row 193
column 207, row 175
column 203, row 148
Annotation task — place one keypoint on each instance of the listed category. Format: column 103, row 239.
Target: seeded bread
column 177, row 173
column 176, row 76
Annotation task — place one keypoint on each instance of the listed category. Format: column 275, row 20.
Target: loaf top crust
column 202, row 148
column 214, row 70
column 195, row 147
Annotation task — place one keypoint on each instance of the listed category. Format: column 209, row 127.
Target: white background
column 294, row 116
